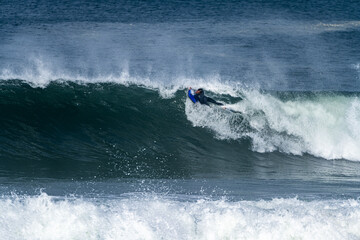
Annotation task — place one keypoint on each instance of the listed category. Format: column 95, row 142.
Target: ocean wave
column 325, row 125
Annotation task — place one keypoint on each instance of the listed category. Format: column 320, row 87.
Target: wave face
column 131, row 131
column 154, row 218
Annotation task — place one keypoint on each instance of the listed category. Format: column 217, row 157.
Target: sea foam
column 155, row 217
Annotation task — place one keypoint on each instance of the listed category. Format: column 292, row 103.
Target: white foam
column 324, row 126
column 44, row 217
column 356, row 66
column 211, row 117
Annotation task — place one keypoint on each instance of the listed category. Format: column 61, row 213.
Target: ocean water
column 99, row 141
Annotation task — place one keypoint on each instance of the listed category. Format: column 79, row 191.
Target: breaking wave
column 154, row 217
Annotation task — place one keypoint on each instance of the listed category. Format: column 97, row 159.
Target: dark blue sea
column 98, row 139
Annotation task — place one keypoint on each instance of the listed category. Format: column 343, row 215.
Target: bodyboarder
column 199, row 96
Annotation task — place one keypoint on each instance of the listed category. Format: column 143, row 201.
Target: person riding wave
column 199, row 96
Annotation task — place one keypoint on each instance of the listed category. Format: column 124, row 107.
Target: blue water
column 98, row 137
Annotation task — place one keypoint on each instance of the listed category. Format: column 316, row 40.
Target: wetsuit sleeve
column 191, row 96
column 213, row 101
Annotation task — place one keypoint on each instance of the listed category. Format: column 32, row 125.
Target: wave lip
column 41, row 73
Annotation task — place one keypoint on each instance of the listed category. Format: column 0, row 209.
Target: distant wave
column 337, row 26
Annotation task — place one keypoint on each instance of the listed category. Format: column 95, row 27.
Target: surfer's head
column 199, row 91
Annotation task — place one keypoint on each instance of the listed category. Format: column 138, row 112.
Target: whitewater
column 152, row 217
